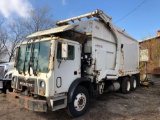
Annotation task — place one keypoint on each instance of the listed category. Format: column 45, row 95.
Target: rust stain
column 41, row 92
column 121, row 72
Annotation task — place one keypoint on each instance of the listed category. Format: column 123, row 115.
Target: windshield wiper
column 31, row 61
column 25, row 58
column 34, row 59
column 37, row 67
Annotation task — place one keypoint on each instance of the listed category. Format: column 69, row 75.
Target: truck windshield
column 21, row 57
column 2, row 70
column 36, row 55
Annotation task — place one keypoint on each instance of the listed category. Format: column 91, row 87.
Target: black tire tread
column 132, row 78
column 124, row 85
column 71, row 110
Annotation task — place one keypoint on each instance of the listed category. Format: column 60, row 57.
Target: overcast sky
column 141, row 22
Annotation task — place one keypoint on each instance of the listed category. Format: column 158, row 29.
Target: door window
column 71, row 51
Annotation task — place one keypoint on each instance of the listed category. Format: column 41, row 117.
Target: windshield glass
column 41, row 56
column 35, row 55
column 27, row 56
column 21, row 57
column 2, row 71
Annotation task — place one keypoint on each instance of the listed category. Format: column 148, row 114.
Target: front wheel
column 80, row 102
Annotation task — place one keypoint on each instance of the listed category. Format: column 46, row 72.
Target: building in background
column 151, row 48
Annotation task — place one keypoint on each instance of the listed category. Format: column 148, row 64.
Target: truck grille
column 27, row 86
column 1, row 72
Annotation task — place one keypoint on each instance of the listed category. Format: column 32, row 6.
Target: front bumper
column 27, row 102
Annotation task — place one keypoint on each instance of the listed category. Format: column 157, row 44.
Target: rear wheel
column 137, row 76
column 80, row 102
column 125, row 85
column 133, row 83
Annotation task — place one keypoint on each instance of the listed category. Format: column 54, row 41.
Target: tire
column 133, row 83
column 125, row 85
column 10, row 89
column 80, row 102
column 138, row 79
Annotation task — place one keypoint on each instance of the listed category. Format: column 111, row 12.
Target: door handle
column 75, row 72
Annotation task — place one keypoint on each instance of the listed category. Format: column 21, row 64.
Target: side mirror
column 64, row 50
column 16, row 57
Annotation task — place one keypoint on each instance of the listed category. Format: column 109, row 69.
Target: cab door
column 66, row 71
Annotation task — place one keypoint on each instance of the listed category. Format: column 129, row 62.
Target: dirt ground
column 142, row 104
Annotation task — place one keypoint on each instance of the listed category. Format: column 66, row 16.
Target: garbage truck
column 67, row 66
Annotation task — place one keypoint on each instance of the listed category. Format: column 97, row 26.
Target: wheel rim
column 128, row 86
column 134, row 83
column 80, row 102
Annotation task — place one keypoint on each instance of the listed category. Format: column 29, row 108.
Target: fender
column 73, row 86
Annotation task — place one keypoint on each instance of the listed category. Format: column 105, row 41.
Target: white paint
column 65, row 69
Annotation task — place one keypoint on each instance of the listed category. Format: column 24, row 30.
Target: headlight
column 10, row 75
column 14, row 79
column 42, row 84
column 6, row 76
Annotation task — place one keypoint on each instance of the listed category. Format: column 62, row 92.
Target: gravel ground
column 142, row 104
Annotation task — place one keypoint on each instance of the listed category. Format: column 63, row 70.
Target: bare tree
column 3, row 40
column 40, row 19
column 17, row 34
